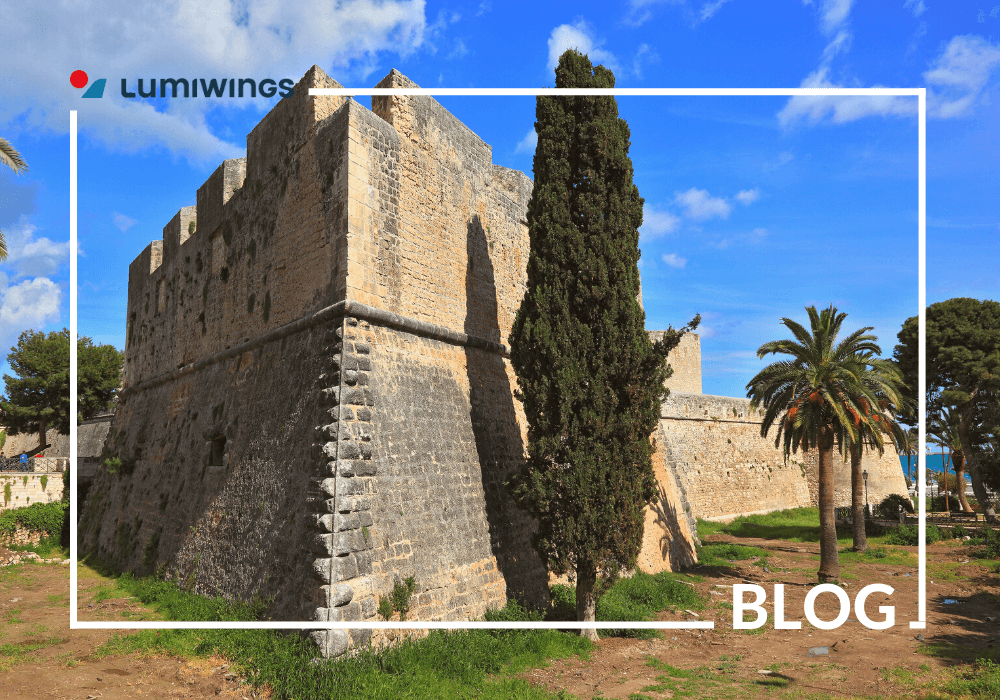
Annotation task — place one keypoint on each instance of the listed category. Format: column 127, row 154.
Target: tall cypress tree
column 590, row 379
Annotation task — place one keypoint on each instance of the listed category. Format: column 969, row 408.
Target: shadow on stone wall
column 674, row 547
column 497, row 434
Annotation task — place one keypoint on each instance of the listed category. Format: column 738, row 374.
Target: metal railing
column 45, row 465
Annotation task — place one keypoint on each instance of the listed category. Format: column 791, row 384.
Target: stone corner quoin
column 317, row 398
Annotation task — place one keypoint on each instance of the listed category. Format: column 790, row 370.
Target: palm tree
column 944, row 428
column 812, row 398
column 884, row 397
column 908, row 446
column 13, row 160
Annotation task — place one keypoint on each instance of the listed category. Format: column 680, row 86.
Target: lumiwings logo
column 79, row 80
column 182, row 87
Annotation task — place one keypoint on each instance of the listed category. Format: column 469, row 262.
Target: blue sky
column 755, row 207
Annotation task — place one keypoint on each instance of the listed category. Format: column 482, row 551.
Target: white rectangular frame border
column 919, row 93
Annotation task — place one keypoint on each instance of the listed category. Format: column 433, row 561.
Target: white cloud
column 959, row 74
column 124, row 223
column 956, row 81
column 459, row 51
column 840, row 109
column 840, row 44
column 675, row 261
column 755, row 237
column 215, row 38
column 657, row 223
column 700, row 205
column 641, row 10
column 644, row 55
column 579, row 36
column 709, row 9
column 748, row 196
column 528, row 143
column 783, row 158
column 32, row 257
column 29, row 304
column 916, row 6
column 834, row 14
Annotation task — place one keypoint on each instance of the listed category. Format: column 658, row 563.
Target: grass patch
column 634, row 599
column 982, row 680
column 11, row 654
column 792, row 524
column 880, row 555
column 960, row 652
column 457, row 663
column 724, row 554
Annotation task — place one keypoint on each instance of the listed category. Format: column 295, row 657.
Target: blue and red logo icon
column 79, row 79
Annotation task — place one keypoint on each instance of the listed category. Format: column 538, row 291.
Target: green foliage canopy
column 38, row 396
column 963, row 371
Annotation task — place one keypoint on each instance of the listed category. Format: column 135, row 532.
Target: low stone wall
column 20, row 489
column 21, row 537
column 727, row 469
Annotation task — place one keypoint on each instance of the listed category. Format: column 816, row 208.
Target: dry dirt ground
column 40, row 657
column 860, row 661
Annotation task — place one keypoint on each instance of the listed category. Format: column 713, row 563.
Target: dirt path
column 742, row 663
column 40, row 657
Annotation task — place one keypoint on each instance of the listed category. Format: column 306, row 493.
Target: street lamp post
column 864, row 475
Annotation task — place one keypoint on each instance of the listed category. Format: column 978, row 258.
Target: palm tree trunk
column 959, row 459
column 978, row 487
column 947, row 505
column 829, row 565
column 586, row 601
column 858, row 500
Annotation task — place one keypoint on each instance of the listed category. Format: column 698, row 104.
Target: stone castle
column 317, row 397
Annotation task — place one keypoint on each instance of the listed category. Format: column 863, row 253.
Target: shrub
column 398, row 600
column 906, row 535
column 936, row 503
column 889, row 507
column 38, row 517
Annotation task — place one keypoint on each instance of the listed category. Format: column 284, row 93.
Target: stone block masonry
column 20, row 489
column 726, row 469
column 317, row 398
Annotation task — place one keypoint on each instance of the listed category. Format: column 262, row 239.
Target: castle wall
column 215, row 476
column 685, row 360
column 259, row 250
column 317, row 398
column 727, row 469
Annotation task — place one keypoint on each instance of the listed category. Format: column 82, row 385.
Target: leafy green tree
column 98, row 377
column 590, row 379
column 963, row 370
column 38, row 397
column 814, row 397
column 13, row 160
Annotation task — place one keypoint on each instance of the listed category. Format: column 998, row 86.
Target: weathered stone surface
column 727, row 469
column 363, row 446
